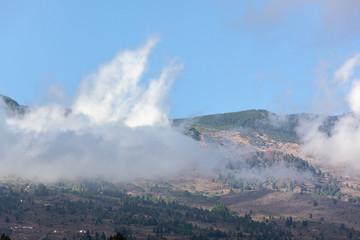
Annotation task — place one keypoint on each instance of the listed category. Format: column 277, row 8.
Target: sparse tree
column 342, row 226
column 4, row 237
column 289, row 221
column 118, row 236
column 103, row 236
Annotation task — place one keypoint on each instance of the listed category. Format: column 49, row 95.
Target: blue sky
column 237, row 55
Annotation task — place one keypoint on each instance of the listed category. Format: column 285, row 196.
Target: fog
column 116, row 128
column 280, row 172
column 342, row 146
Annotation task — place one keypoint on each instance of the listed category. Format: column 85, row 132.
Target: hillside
column 13, row 106
column 279, row 127
column 262, row 188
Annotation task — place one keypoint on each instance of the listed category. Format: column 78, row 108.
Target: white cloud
column 343, row 74
column 109, row 95
column 353, row 97
column 117, row 129
column 342, row 147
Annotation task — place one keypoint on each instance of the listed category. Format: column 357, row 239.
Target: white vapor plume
column 115, row 129
column 342, row 145
column 353, row 97
column 346, row 72
column 114, row 94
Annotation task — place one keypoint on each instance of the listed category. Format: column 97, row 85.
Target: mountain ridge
column 279, row 127
column 13, row 105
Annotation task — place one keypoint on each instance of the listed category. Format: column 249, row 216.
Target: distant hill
column 14, row 106
column 278, row 127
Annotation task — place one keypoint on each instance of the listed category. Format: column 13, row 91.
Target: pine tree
column 118, row 236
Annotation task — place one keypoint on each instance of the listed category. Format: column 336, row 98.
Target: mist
column 115, row 128
column 341, row 147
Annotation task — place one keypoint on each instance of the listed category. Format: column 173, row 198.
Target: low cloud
column 116, row 128
column 342, row 145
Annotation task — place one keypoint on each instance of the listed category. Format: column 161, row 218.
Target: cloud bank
column 342, row 147
column 115, row 128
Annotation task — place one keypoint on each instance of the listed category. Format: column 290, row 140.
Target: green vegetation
column 260, row 121
column 267, row 159
column 103, row 204
column 280, row 128
column 118, row 236
column 249, row 119
column 4, row 237
column 259, row 161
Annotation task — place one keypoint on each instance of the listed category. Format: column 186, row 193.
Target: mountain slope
column 278, row 127
column 13, row 106
column 261, row 174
